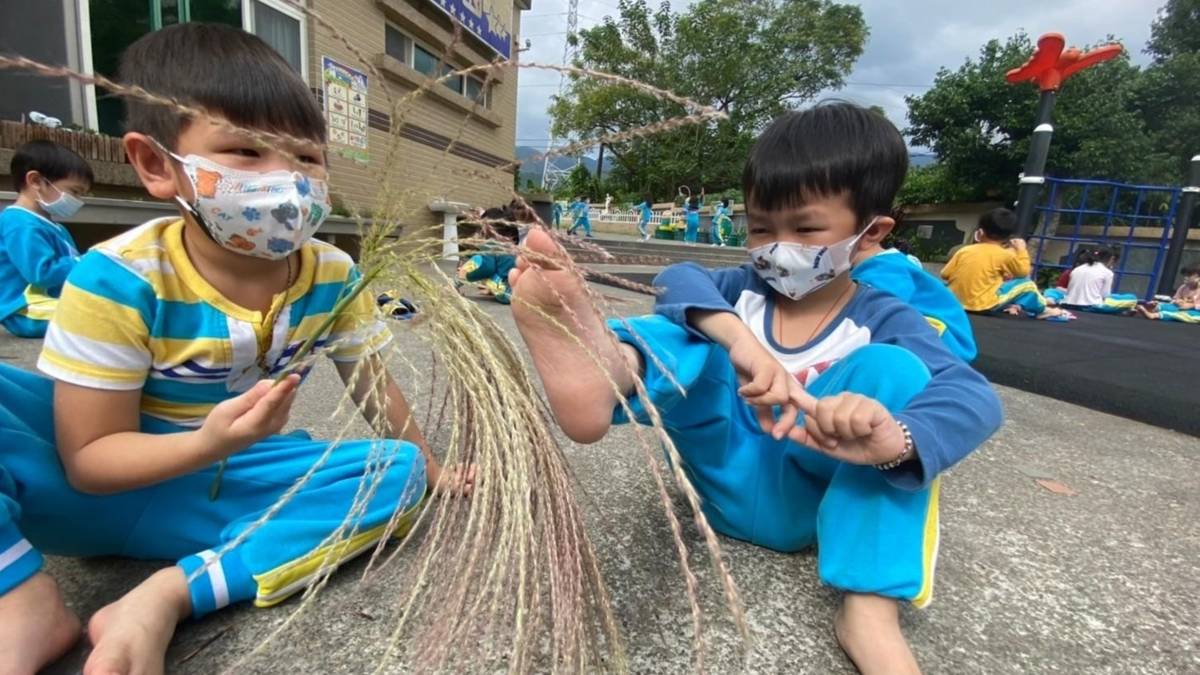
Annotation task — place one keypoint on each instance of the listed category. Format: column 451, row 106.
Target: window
column 280, row 26
column 115, row 24
column 454, row 83
column 476, row 92
column 424, row 61
column 403, row 48
column 398, row 45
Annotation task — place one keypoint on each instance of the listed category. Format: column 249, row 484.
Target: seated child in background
column 897, row 273
column 36, row 253
column 993, row 273
column 162, row 353
column 1184, row 306
column 886, row 408
column 1089, row 287
column 493, row 263
column 1064, row 279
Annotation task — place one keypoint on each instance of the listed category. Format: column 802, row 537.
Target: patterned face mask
column 795, row 270
column 261, row 214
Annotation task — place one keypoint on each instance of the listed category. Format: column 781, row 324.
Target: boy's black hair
column 51, row 160
column 222, row 69
column 1189, row 271
column 998, row 224
column 830, row 149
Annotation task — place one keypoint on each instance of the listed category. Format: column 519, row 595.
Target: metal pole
column 1183, row 221
column 1032, row 177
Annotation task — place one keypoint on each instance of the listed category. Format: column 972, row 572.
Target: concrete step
column 632, row 251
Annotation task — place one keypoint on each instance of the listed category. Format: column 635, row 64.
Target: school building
column 363, row 59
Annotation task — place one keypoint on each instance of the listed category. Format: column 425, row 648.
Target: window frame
column 443, row 68
column 286, row 10
column 84, row 10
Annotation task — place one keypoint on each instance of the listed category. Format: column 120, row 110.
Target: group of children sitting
column 816, row 394
column 993, row 275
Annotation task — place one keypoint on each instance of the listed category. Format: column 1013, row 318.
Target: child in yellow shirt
column 993, row 273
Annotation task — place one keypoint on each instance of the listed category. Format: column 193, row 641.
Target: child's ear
column 152, row 165
column 882, row 227
column 33, row 179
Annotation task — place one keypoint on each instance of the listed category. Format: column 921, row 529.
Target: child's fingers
column 766, row 418
column 758, row 385
column 816, row 437
column 787, row 420
column 846, row 415
column 867, row 417
column 240, row 405
column 801, row 435
column 824, row 420
column 806, row 402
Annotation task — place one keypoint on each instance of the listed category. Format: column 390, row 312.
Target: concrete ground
column 1102, row 580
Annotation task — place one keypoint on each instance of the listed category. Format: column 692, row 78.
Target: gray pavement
column 1029, row 580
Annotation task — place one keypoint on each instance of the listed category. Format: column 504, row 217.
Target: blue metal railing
column 1098, row 212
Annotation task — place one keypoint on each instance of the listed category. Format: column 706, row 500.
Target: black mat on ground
column 1143, row 370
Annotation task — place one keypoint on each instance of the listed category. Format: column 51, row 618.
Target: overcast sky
column 909, row 40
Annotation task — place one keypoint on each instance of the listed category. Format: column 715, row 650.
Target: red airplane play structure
column 1050, row 65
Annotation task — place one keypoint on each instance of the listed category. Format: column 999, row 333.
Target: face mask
column 62, row 208
column 261, row 214
column 795, row 270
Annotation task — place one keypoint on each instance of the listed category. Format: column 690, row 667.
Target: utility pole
column 1048, row 68
column 551, row 177
column 1183, row 221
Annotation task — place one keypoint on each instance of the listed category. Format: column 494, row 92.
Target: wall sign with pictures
column 345, row 95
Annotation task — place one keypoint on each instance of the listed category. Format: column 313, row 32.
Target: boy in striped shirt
column 162, row 354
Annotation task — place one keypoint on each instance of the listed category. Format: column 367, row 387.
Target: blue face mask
column 62, row 208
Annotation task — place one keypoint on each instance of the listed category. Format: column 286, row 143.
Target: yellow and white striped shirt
column 135, row 314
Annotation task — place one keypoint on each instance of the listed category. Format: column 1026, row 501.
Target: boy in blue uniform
column 722, row 223
column 162, row 353
column 580, row 216
column 896, row 273
column 36, row 252
column 871, row 406
column 645, row 213
column 691, row 213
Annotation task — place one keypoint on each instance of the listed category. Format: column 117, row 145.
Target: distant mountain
column 533, row 169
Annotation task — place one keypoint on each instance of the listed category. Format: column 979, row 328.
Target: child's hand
column 1018, row 244
column 851, row 428
column 244, row 420
column 456, row 480
column 766, row 384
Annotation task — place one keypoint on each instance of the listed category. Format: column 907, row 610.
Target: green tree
column 578, row 182
column 1169, row 93
column 752, row 59
column 979, row 126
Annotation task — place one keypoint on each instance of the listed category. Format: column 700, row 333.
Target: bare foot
column 868, row 629
column 35, row 626
column 580, row 394
column 1013, row 310
column 1054, row 313
column 1146, row 312
column 131, row 635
